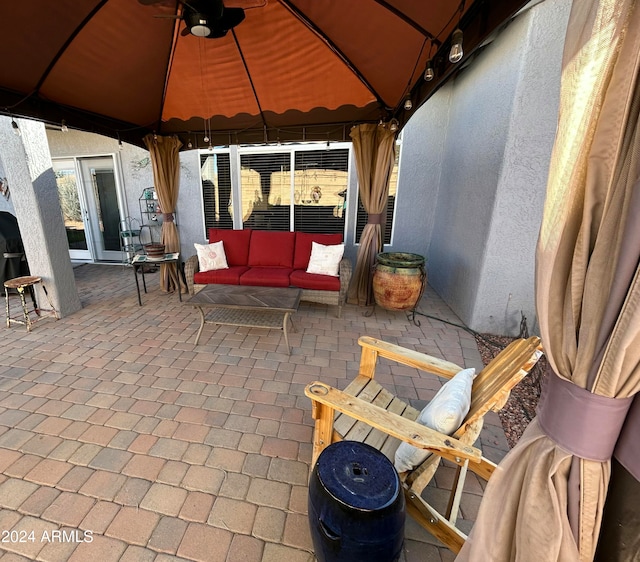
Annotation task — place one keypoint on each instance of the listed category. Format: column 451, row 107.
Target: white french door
column 90, row 200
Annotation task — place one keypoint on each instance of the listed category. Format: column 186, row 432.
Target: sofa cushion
column 303, row 246
column 229, row 276
column 271, row 249
column 236, row 244
column 303, row 280
column 266, row 277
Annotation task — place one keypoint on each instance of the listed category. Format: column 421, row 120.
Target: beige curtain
column 374, row 149
column 545, row 501
column 165, row 161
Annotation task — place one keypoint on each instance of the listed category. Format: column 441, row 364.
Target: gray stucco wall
column 477, row 169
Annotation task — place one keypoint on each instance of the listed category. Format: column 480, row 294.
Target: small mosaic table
column 20, row 284
column 252, row 307
column 140, row 260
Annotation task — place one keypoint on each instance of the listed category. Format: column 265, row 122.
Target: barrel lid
column 400, row 259
column 358, row 475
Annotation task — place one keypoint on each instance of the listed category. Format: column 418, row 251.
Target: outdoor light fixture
column 456, row 52
column 16, row 129
column 63, row 126
column 199, row 25
column 429, row 74
column 408, row 104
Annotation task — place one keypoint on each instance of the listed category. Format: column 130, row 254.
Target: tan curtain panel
column 374, row 149
column 165, row 161
column 545, row 501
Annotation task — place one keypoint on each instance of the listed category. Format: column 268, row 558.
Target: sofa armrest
column 346, row 271
column 191, row 266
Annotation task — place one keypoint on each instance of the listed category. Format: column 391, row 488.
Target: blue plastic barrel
column 356, row 505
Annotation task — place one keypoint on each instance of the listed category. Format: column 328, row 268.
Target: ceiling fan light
column 201, row 29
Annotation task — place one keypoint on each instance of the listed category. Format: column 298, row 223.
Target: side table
column 21, row 284
column 139, row 261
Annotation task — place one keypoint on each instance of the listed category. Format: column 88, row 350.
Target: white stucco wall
column 477, row 168
column 6, row 203
column 34, row 196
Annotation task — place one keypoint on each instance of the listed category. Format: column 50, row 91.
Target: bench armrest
column 392, row 424
column 346, row 271
column 191, row 266
column 409, row 357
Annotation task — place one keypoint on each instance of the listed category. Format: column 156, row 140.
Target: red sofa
column 272, row 259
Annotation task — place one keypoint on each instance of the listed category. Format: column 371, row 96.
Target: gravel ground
column 521, row 406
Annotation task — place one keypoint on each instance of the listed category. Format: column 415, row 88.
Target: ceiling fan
column 205, row 18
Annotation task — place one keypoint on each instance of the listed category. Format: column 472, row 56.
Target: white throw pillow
column 444, row 413
column 325, row 260
column 211, row 256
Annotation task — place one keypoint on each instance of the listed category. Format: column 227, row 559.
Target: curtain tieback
column 628, row 447
column 168, row 217
column 375, row 218
column 581, row 422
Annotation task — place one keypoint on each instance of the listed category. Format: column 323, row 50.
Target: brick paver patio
column 122, row 441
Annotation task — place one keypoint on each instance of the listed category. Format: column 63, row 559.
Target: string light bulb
column 429, row 74
column 16, row 129
column 189, row 144
column 408, row 104
column 63, row 126
column 393, row 126
column 456, row 53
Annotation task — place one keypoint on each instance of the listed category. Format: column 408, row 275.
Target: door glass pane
column 106, row 196
column 71, row 210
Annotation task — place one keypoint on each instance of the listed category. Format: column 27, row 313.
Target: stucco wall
column 485, row 141
column 34, row 195
column 6, row 203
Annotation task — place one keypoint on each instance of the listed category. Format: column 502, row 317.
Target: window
column 320, row 190
column 361, row 218
column 265, row 190
column 299, row 187
column 215, row 171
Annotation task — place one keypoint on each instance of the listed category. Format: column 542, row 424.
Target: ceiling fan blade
column 231, row 17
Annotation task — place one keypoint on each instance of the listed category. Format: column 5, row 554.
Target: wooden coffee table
column 253, row 307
